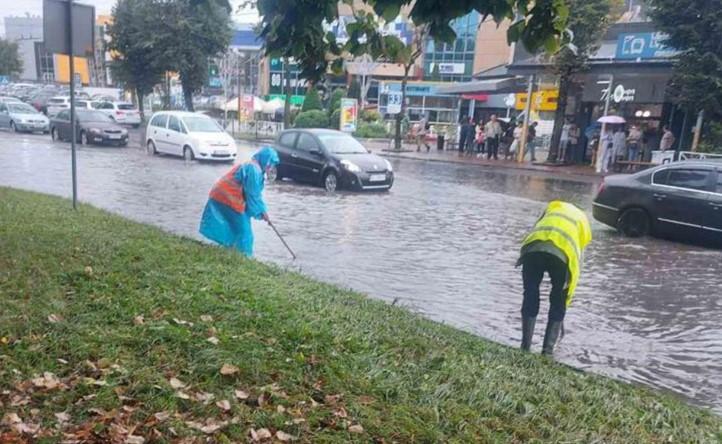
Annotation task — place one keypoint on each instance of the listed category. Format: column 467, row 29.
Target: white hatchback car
column 191, row 135
column 57, row 104
column 122, row 112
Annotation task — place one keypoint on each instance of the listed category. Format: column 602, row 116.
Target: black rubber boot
column 551, row 336
column 527, row 332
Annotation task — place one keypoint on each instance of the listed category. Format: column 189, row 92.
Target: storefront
column 423, row 99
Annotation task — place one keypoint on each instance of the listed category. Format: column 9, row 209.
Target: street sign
column 56, row 29
column 394, row 102
column 4, row 80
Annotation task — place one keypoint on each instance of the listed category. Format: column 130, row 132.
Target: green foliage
column 711, row 138
column 133, row 306
column 295, row 28
column 371, row 130
column 10, row 62
column 370, row 116
column 335, row 103
column 334, row 121
column 315, row 118
column 312, row 101
column 694, row 28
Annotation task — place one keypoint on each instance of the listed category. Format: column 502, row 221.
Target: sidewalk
column 583, row 173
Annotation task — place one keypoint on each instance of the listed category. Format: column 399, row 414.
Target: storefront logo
column 620, row 94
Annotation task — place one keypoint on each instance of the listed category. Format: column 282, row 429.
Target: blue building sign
column 643, row 45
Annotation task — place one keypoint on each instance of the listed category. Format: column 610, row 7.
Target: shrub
column 370, row 115
column 371, row 130
column 335, row 103
column 335, row 120
column 312, row 101
column 311, row 119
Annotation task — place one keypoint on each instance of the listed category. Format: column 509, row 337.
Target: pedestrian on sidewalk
column 516, row 134
column 667, row 140
column 479, row 140
column 235, row 199
column 531, row 141
column 605, row 154
column 564, row 140
column 574, row 134
column 634, row 141
column 493, row 132
column 466, row 135
column 554, row 246
column 619, row 144
column 421, row 132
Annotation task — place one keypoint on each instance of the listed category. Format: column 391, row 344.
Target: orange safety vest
column 229, row 192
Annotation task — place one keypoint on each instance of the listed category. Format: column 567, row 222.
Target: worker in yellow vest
column 554, row 246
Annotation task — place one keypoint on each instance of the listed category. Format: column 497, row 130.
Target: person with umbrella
column 605, row 155
column 235, row 199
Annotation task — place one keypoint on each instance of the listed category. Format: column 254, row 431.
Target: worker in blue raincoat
column 235, row 199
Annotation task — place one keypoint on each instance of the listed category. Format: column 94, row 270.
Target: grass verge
column 113, row 331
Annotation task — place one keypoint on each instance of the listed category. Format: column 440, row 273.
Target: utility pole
column 525, row 126
column 697, row 130
column 71, row 63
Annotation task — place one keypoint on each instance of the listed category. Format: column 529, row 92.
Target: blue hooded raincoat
column 224, row 225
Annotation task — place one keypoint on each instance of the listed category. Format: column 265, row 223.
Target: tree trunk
column 559, row 116
column 400, row 115
column 187, row 97
column 287, row 93
column 141, row 109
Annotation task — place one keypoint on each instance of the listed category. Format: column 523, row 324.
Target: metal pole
column 604, row 124
column 525, row 125
column 697, row 130
column 238, row 89
column 72, row 104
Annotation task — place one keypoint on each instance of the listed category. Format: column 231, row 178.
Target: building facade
column 27, row 32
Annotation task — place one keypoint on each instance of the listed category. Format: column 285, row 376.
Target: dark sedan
column 331, row 159
column 681, row 200
column 93, row 127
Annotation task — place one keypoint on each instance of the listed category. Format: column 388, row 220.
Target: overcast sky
column 35, row 7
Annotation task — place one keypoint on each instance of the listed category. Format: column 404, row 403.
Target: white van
column 191, row 135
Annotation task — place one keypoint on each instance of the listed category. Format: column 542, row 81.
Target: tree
column 693, row 28
column 296, row 28
column 189, row 34
column 10, row 63
column 135, row 61
column 588, row 21
column 312, row 100
column 335, row 102
column 354, row 90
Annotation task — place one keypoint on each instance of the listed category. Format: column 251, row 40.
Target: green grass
column 331, row 358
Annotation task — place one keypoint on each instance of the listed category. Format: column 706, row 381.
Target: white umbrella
column 258, row 104
column 271, row 106
column 611, row 119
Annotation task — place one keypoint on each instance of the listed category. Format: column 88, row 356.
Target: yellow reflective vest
column 567, row 227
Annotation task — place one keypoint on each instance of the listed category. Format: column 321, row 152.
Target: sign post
column 393, row 105
column 69, row 28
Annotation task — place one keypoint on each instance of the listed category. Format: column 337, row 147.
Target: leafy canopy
column 295, row 28
column 10, row 63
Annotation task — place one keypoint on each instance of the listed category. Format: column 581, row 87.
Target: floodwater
column 443, row 243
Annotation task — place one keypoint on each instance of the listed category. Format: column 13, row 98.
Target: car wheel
column 188, row 154
column 151, row 148
column 330, row 181
column 13, row 127
column 634, row 222
column 54, row 135
column 84, row 138
column 272, row 174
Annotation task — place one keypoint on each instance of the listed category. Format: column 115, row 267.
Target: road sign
column 56, row 28
column 4, row 80
column 394, row 102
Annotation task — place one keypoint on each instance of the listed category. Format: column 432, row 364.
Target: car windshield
column 201, row 125
column 342, row 144
column 21, row 108
column 125, row 106
column 93, row 116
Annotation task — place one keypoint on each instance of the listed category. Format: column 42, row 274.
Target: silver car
column 21, row 117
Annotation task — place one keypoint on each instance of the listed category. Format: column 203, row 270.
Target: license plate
column 114, row 136
column 377, row 178
column 220, row 153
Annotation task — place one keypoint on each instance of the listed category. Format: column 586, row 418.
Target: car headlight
column 350, row 166
column 94, row 130
column 388, row 165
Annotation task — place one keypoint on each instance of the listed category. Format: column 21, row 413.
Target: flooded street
column 443, row 243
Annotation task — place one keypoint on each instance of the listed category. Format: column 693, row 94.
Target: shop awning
column 483, row 87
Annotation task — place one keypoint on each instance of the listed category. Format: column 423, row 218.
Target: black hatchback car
column 93, row 127
column 681, row 200
column 331, row 159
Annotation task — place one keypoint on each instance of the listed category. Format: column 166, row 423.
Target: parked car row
column 93, row 127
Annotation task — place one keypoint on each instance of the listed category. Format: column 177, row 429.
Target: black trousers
column 534, row 265
column 493, row 144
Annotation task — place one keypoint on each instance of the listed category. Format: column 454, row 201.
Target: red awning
column 479, row 97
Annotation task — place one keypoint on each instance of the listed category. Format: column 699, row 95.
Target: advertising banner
column 349, row 114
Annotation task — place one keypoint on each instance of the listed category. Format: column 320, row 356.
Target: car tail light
column 119, row 113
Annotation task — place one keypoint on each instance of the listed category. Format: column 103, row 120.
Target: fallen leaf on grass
column 206, row 318
column 182, row 322
column 62, row 417
column 62, row 361
column 229, row 369
column 283, row 436
column 53, row 318
column 48, row 381
column 161, row 416
column 182, row 395
column 341, row 413
column 134, row 439
column 204, row 397
column 213, row 340
column 366, row 400
column 356, row 428
column 224, row 405
column 281, row 409
column 240, row 394
column 260, row 434
column 176, row 383
column 139, row 320
column 89, row 270
column 13, row 421
column 211, row 425
column 331, row 399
